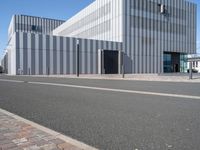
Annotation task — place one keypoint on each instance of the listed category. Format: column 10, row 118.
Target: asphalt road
column 110, row 120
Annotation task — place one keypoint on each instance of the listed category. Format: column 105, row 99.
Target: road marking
column 118, row 90
column 58, row 135
column 15, row 81
column 107, row 89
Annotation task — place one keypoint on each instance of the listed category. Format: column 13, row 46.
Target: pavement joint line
column 119, row 90
column 15, row 81
column 58, row 135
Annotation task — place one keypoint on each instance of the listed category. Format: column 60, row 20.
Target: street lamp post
column 123, row 66
column 190, row 70
column 77, row 57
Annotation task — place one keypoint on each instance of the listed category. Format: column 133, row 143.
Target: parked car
column 193, row 71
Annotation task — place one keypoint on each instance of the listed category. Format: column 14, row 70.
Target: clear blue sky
column 58, row 9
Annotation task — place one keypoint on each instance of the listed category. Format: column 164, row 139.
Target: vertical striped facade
column 23, row 23
column 26, row 24
column 4, row 63
column 146, row 33
column 101, row 20
column 136, row 27
column 41, row 54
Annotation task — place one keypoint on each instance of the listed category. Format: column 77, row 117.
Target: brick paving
column 17, row 135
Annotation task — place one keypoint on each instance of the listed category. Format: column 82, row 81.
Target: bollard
column 190, row 71
column 123, row 70
column 29, row 71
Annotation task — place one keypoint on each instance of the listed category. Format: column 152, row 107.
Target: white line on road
column 15, row 81
column 119, row 90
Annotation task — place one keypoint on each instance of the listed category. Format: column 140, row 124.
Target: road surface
column 109, row 114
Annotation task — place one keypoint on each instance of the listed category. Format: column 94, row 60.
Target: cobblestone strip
column 17, row 134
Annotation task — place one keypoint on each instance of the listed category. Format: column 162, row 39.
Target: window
column 197, row 64
column 193, row 64
column 33, row 27
column 167, row 63
column 162, row 8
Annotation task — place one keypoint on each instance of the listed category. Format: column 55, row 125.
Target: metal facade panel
column 17, row 52
column 36, row 54
column 68, row 55
column 51, row 55
column 58, row 52
column 61, row 56
column 29, row 53
column 74, row 56
column 32, row 54
column 47, row 54
column 54, row 55
column 40, row 54
column 21, row 51
column 101, row 21
column 71, row 55
column 44, row 58
column 150, row 33
column 35, row 24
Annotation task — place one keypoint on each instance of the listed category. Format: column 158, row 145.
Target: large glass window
column 175, row 62
column 167, row 63
column 183, row 63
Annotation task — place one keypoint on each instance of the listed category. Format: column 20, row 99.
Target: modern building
column 196, row 66
column 195, row 63
column 34, row 50
column 4, row 63
column 156, row 34
column 18, row 44
column 143, row 36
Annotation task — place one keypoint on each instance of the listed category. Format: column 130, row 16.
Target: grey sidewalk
column 16, row 134
column 170, row 77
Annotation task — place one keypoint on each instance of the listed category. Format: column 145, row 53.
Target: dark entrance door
column 171, row 62
column 110, row 62
column 176, row 68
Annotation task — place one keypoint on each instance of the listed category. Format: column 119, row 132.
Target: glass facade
column 183, row 63
column 175, row 62
column 167, row 63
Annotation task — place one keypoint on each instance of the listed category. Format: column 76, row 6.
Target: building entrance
column 109, row 62
column 171, row 62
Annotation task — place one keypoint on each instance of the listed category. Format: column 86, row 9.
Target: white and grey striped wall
column 149, row 33
column 101, row 20
column 145, row 32
column 40, row 54
column 24, row 23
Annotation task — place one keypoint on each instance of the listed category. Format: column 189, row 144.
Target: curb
column 150, row 78
column 58, row 135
